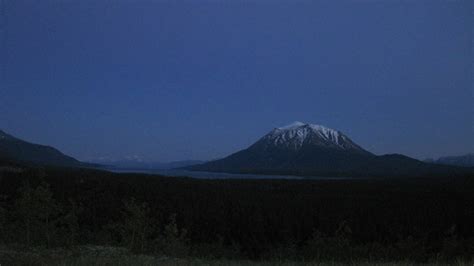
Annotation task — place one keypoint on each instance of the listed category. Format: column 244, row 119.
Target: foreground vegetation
column 85, row 217
column 100, row 256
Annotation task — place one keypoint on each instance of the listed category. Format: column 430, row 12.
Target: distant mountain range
column 315, row 150
column 137, row 163
column 14, row 149
column 297, row 149
column 466, row 160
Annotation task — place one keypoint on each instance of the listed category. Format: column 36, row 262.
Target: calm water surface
column 212, row 175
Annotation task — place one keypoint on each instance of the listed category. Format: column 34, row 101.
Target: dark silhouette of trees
column 37, row 211
column 136, row 226
column 174, row 240
column 3, row 218
column 70, row 220
column 303, row 219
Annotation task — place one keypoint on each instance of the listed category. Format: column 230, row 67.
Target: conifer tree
column 3, row 214
column 136, row 227
column 71, row 220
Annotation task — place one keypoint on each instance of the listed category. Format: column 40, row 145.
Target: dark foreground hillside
column 419, row 220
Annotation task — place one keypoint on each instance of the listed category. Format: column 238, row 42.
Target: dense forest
column 387, row 219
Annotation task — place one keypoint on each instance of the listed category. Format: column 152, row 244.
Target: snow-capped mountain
column 315, row 150
column 297, row 135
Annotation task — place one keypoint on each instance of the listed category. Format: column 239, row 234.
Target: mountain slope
column 314, row 150
column 14, row 149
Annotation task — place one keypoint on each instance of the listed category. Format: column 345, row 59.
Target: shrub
column 174, row 241
column 322, row 247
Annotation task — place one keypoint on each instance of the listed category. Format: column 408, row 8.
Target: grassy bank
column 103, row 255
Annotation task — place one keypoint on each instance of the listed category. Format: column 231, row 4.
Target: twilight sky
column 174, row 79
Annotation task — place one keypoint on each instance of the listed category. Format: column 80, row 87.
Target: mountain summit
column 314, row 150
column 298, row 135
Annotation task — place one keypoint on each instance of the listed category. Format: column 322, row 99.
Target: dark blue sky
column 171, row 80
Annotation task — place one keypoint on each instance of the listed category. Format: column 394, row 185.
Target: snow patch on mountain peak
column 322, row 130
column 296, row 134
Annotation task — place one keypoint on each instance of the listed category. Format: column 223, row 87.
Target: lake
column 213, row 175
